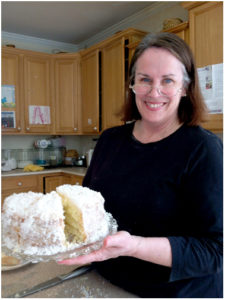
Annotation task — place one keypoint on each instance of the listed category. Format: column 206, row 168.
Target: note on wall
column 8, row 96
column 39, row 114
column 211, row 84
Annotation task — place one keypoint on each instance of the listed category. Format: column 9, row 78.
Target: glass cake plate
column 77, row 250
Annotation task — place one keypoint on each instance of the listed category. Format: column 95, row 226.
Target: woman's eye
column 167, row 81
column 145, row 80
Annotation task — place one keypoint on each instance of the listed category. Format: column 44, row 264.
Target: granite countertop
column 81, row 171
column 88, row 285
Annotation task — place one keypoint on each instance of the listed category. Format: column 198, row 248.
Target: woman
column 161, row 177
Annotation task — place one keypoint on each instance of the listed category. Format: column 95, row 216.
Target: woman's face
column 159, row 69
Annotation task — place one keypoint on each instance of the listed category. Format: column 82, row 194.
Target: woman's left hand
column 119, row 244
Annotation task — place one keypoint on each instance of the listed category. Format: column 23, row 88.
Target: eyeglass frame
column 151, row 88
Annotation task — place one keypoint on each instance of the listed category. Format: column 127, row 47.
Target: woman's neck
column 147, row 133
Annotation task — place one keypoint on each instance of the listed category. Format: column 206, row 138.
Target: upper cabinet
column 90, row 91
column 29, row 74
column 47, row 92
column 113, row 82
column 67, row 93
column 206, row 31
column 206, row 42
column 182, row 30
column 11, row 76
column 37, row 93
column 104, row 70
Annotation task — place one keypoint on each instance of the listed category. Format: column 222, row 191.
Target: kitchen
column 87, row 128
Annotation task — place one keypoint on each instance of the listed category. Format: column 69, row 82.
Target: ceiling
column 65, row 21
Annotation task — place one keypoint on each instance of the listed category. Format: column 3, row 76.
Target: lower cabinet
column 37, row 183
column 21, row 184
column 51, row 182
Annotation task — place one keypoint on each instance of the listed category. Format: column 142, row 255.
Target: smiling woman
column 161, row 177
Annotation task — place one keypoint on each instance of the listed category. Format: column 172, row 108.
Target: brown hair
column 192, row 109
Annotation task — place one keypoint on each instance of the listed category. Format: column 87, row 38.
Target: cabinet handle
column 18, row 128
column 77, row 183
column 19, row 183
column 95, row 128
column 75, row 129
column 28, row 128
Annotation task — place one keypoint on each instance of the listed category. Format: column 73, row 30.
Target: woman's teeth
column 154, row 105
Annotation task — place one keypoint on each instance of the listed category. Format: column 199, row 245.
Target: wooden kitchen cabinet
column 31, row 74
column 21, row 184
column 113, row 82
column 104, row 71
column 90, row 93
column 38, row 93
column 11, row 75
column 181, row 30
column 206, row 42
column 67, row 93
column 52, row 181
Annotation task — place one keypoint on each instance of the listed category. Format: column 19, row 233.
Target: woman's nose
column 154, row 91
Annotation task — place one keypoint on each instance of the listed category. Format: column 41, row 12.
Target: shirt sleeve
column 201, row 253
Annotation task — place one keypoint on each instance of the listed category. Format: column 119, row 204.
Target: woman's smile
column 154, row 106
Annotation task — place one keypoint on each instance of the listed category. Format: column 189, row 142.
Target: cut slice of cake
column 85, row 216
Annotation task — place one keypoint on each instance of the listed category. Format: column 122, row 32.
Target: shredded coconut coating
column 33, row 223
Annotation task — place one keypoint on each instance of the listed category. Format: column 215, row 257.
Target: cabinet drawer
column 18, row 182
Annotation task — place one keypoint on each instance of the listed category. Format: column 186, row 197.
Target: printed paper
column 211, row 84
column 39, row 115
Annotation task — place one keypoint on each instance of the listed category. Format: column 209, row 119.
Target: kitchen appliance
column 49, row 152
column 8, row 162
column 49, row 157
column 24, row 157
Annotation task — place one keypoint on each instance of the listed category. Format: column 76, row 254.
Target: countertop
column 88, row 285
column 81, row 171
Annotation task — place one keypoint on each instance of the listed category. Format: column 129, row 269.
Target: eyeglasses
column 164, row 90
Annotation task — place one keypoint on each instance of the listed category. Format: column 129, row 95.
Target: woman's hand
column 153, row 249
column 119, row 244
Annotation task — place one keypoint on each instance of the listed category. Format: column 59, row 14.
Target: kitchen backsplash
column 80, row 143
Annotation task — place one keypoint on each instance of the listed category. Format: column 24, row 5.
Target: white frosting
column 33, row 223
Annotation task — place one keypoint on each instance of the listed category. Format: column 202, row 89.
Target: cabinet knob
column 95, row 128
column 28, row 128
column 77, row 183
column 19, row 128
column 75, row 129
column 19, row 183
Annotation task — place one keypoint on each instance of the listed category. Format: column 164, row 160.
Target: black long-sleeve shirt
column 171, row 188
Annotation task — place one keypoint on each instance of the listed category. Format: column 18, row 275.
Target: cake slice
column 85, row 216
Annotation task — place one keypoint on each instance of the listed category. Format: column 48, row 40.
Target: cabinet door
column 11, row 75
column 206, row 41
column 66, row 95
column 75, row 179
column 90, row 92
column 37, row 94
column 21, row 184
column 206, row 33
column 113, row 83
column 51, row 182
